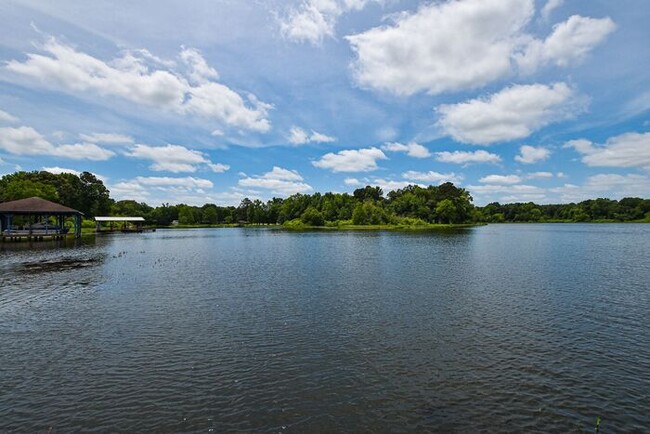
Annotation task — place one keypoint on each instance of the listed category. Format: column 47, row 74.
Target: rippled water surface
column 500, row 328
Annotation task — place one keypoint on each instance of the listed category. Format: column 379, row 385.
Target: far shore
column 381, row 227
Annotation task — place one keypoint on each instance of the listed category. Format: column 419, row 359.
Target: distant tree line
column 366, row 206
column 592, row 210
column 369, row 205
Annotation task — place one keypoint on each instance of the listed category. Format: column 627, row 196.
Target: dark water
column 518, row 328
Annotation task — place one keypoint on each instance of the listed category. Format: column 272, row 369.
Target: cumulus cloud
column 27, row 141
column 570, row 42
column 353, row 160
column 165, row 181
column 464, row 157
column 610, row 185
column 106, row 138
column 423, row 52
column 188, row 189
column 218, row 167
column 542, row 175
column 24, row 141
column 56, row 170
column 83, row 151
column 7, row 117
column 530, row 154
column 279, row 181
column 501, row 179
column 390, row 184
column 550, row 6
column 352, row 181
column 298, row 136
column 59, row 170
column 432, row 177
column 625, row 150
column 513, row 113
column 508, row 193
column 174, row 158
column 199, row 70
column 62, row 67
column 314, row 20
column 412, row 149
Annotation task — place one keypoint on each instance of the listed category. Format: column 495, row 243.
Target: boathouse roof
column 36, row 205
column 119, row 219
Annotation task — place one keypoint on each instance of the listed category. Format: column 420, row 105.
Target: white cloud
column 107, row 138
column 7, row 117
column 83, row 151
column 62, row 67
column 613, row 186
column 464, row 157
column 129, row 190
column 58, row 170
column 27, row 141
column 218, row 167
column 570, row 42
column 423, row 51
column 353, row 160
column 352, row 181
column 626, row 150
column 432, row 177
column 541, row 175
column 164, row 189
column 164, row 181
column 24, row 141
column 391, row 185
column 298, row 136
column 315, row 20
column 549, row 7
column 501, row 179
column 508, row 193
column 199, row 70
column 513, row 113
column 530, row 154
column 174, row 158
column 279, row 181
column 412, row 149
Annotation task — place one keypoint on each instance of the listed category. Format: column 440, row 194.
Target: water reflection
column 499, row 328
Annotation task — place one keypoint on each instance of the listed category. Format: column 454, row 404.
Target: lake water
column 503, row 328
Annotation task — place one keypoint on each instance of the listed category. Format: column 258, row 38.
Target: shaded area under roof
column 36, row 205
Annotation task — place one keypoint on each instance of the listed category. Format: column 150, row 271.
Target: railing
column 34, row 232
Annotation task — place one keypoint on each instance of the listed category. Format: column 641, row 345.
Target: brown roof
column 35, row 205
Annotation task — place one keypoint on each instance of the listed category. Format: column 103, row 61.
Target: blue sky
column 213, row 101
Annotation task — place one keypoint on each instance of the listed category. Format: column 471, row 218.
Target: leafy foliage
column 85, row 192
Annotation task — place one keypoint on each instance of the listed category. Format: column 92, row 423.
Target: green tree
column 312, row 217
column 209, row 214
column 446, row 211
column 16, row 189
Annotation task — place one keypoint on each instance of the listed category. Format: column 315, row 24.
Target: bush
column 312, row 217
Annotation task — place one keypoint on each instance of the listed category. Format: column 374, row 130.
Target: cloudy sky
column 216, row 100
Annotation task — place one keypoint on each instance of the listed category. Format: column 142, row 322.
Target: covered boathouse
column 120, row 224
column 30, row 219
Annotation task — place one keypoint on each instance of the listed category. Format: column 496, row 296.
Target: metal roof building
column 34, row 209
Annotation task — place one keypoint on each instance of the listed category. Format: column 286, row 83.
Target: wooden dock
column 33, row 235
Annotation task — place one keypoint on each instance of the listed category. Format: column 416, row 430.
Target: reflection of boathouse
column 37, row 219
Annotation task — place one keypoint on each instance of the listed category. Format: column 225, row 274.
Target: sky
column 211, row 101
